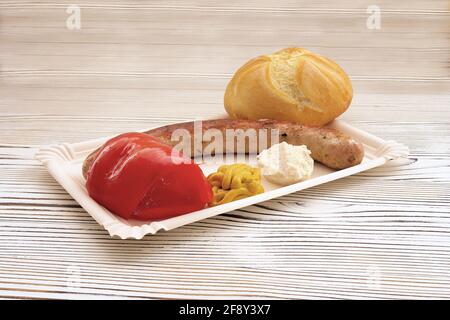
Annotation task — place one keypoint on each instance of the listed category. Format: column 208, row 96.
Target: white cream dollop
column 286, row 164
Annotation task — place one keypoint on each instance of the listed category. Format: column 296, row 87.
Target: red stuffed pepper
column 137, row 177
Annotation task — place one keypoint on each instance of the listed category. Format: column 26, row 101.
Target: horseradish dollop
column 285, row 164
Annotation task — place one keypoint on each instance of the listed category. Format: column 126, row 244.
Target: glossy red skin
column 135, row 176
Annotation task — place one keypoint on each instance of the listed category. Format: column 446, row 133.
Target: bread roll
column 293, row 84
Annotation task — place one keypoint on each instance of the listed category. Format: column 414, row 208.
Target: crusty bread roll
column 293, row 84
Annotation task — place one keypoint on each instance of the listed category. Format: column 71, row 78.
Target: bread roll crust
column 293, row 84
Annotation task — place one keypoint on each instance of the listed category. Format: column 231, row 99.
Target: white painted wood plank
column 381, row 234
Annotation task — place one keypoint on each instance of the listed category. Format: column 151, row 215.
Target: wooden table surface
column 384, row 233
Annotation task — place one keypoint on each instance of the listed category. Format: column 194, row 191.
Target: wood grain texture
column 381, row 234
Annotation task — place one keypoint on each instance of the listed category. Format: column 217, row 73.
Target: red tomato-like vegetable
column 137, row 177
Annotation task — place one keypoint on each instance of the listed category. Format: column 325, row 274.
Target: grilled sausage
column 330, row 147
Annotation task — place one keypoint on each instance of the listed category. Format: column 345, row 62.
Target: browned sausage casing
column 330, row 147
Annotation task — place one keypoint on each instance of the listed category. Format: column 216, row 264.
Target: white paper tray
column 64, row 164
